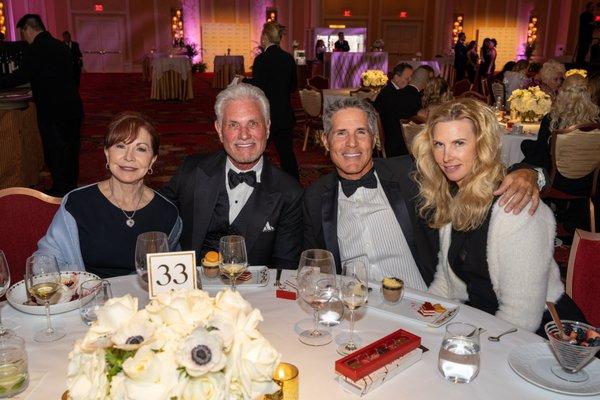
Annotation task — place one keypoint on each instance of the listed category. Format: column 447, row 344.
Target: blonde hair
column 435, row 92
column 573, row 104
column 468, row 208
column 551, row 69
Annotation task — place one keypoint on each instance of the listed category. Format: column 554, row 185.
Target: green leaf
column 115, row 359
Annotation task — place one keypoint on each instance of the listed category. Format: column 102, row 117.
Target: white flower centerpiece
column 184, row 345
column 374, row 78
column 530, row 104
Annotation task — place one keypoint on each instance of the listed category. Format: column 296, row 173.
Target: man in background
column 586, row 32
column 341, row 44
column 77, row 56
column 47, row 63
column 460, row 57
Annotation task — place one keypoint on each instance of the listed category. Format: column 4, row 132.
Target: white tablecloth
column 283, row 320
column 511, row 144
column 180, row 64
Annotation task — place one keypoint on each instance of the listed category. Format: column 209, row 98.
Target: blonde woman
column 435, row 92
column 573, row 106
column 495, row 261
column 550, row 78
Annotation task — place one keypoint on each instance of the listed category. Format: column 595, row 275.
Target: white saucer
column 532, row 362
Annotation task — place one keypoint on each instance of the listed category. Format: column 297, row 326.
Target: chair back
column 485, row 89
column 318, row 82
column 363, row 94
column 497, row 91
column 312, row 102
column 26, row 215
column 473, row 95
column 576, row 151
column 409, row 131
column 462, row 86
column 583, row 274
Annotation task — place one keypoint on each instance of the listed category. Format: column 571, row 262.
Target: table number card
column 171, row 271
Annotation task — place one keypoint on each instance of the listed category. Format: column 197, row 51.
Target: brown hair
column 125, row 128
column 273, row 32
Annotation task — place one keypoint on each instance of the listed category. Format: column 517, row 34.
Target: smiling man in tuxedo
column 369, row 206
column 238, row 191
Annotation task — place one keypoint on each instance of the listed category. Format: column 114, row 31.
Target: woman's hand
column 518, row 189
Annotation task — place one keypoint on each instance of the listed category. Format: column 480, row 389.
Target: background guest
column 495, row 261
column 320, row 50
column 341, row 44
column 47, row 63
column 586, row 32
column 76, row 54
column 515, row 78
column 435, row 93
column 472, row 61
column 549, row 78
column 274, row 71
column 460, row 57
column 96, row 226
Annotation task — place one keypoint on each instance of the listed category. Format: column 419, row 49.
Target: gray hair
column 242, row 91
column 551, row 69
column 419, row 77
column 350, row 102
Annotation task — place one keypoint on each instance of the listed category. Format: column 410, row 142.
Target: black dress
column 107, row 244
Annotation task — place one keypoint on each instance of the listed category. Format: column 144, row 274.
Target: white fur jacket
column 520, row 256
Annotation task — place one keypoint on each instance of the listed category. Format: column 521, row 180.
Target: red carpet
column 185, row 127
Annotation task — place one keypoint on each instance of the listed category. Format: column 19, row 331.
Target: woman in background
column 472, row 61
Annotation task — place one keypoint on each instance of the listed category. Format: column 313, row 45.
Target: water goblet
column 4, row 285
column 148, row 243
column 233, row 257
column 354, row 290
column 316, row 286
column 14, row 377
column 42, row 281
column 93, row 294
column 458, row 360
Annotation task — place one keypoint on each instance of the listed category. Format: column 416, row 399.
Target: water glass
column 4, row 285
column 458, row 361
column 14, row 377
column 93, row 294
column 148, row 243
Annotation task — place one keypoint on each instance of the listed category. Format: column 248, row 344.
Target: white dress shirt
column 368, row 226
column 239, row 195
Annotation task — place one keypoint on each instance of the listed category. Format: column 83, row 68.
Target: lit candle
column 286, row 376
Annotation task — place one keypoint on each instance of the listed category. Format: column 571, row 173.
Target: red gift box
column 368, row 359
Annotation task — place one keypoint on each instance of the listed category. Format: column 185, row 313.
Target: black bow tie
column 235, row 178
column 367, row 181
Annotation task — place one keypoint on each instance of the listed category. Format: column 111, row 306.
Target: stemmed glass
column 354, row 289
column 42, row 281
column 148, row 242
column 4, row 285
column 316, row 286
column 234, row 260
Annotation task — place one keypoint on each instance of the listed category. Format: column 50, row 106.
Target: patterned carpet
column 185, row 127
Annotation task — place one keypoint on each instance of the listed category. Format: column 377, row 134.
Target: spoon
column 497, row 338
column 556, row 319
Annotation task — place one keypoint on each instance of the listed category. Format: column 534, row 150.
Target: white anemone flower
column 202, row 352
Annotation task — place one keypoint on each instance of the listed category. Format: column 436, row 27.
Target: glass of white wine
column 234, row 260
column 42, row 281
column 354, row 289
column 148, row 242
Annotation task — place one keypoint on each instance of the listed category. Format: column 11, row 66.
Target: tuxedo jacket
column 274, row 72
column 341, row 45
column 76, row 54
column 274, row 229
column 320, row 209
column 389, row 106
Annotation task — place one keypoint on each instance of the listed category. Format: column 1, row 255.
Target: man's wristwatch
column 541, row 178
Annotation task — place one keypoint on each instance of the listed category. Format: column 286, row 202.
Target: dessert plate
column 408, row 307
column 259, row 278
column 532, row 362
column 17, row 295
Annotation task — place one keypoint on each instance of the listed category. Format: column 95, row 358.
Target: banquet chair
column 363, row 93
column 575, row 155
column 473, row 95
column 485, row 90
column 312, row 104
column 498, row 91
column 583, row 274
column 318, row 82
column 409, row 131
column 26, row 215
column 461, row 87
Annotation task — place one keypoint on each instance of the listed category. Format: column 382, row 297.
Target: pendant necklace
column 130, row 221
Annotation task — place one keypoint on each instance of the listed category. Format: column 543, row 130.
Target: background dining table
column 510, row 152
column 283, row 320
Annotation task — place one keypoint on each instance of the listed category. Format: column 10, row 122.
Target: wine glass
column 233, row 257
column 42, row 281
column 354, row 290
column 316, row 286
column 148, row 242
column 4, row 285
column 93, row 294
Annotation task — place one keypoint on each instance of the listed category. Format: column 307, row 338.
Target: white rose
column 167, row 338
column 135, row 333
column 210, row 386
column 190, row 307
column 116, row 313
column 202, row 352
column 232, row 303
column 86, row 374
column 150, row 375
column 225, row 326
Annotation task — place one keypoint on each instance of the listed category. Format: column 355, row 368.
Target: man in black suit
column 460, row 57
column 274, row 71
column 341, row 44
column 369, row 207
column 389, row 104
column 77, row 56
column 48, row 65
column 238, row 191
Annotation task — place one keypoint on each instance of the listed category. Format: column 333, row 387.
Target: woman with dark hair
column 320, row 50
column 96, row 226
column 472, row 61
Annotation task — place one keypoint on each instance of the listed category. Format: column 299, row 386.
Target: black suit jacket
column 76, row 54
column 277, row 200
column 47, row 63
column 389, row 106
column 320, row 213
column 274, row 72
column 341, row 45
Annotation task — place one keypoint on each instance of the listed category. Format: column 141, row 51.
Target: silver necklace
column 130, row 221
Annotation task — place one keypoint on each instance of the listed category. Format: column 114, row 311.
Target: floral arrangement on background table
column 529, row 104
column 184, row 345
column 574, row 71
column 374, row 78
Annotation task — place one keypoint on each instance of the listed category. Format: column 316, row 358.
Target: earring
column 107, row 166
column 150, row 171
